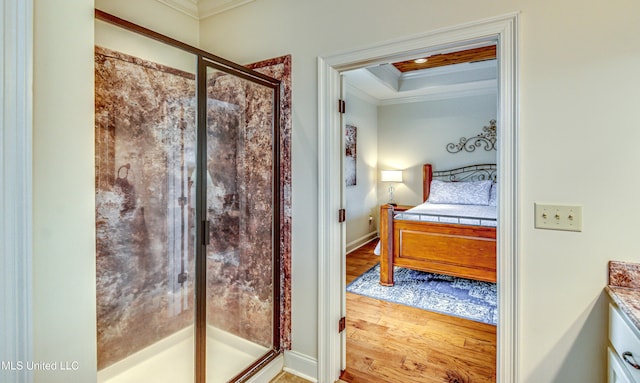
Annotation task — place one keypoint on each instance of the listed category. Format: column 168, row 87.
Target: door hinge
column 342, row 215
column 342, row 324
column 341, row 106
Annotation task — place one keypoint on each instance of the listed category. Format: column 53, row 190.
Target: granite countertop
column 624, row 288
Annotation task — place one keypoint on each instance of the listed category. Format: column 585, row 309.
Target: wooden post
column 386, row 245
column 427, row 176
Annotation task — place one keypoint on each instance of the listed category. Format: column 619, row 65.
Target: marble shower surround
column 280, row 69
column 131, row 276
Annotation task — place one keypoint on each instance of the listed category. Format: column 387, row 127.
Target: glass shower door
column 187, row 211
column 145, row 132
column 241, row 219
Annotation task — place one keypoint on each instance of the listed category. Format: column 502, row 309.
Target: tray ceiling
column 444, row 74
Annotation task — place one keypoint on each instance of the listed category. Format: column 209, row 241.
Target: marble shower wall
column 145, row 148
column 240, row 208
column 280, row 68
column 145, row 157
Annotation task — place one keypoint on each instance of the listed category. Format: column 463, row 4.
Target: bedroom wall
column 362, row 201
column 578, row 96
column 412, row 134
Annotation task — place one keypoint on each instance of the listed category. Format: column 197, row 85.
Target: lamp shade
column 391, row 176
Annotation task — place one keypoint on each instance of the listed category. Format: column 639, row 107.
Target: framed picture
column 350, row 155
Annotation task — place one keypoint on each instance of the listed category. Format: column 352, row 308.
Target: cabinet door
column 616, row 372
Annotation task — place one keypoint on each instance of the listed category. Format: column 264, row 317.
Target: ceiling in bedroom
column 446, row 73
column 200, row 9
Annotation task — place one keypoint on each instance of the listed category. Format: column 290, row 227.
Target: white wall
column 64, row 308
column 118, row 39
column 154, row 15
column 362, row 201
column 412, row 134
column 64, row 318
column 578, row 135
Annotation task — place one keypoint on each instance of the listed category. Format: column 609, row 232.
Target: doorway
column 331, row 350
column 407, row 114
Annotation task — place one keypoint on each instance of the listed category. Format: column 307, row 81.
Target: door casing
column 331, row 293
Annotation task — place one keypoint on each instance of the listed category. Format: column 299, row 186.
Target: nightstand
column 401, row 207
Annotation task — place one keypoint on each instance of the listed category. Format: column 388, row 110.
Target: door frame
column 502, row 29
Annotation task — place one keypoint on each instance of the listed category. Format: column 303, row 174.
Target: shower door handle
column 205, row 232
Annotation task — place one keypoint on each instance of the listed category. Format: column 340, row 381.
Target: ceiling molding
column 387, row 85
column 201, row 9
column 188, row 7
column 446, row 92
column 209, row 8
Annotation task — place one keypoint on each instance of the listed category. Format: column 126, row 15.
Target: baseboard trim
column 358, row 243
column 301, row 365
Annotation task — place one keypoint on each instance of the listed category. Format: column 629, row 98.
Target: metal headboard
column 482, row 172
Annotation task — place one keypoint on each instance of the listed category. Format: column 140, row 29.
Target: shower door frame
column 205, row 60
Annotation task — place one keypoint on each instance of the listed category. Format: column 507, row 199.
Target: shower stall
column 188, row 211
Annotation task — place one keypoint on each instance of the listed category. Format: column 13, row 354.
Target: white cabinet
column 616, row 371
column 624, row 348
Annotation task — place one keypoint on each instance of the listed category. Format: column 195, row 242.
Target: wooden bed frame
column 464, row 251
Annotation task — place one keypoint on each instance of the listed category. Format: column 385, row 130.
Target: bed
column 453, row 232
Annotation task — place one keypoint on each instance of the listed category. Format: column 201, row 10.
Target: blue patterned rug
column 460, row 297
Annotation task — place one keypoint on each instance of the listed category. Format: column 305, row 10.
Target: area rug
column 444, row 294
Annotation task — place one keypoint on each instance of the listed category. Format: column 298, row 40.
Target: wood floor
column 392, row 343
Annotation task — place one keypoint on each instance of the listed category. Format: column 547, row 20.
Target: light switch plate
column 558, row 217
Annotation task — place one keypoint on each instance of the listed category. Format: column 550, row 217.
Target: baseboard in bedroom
column 301, row 365
column 358, row 243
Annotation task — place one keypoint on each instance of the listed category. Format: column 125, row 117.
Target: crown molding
column 207, row 8
column 201, row 9
column 445, row 92
column 188, row 7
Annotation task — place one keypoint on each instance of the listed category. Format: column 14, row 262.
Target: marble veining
column 624, row 288
column 145, row 114
column 145, row 161
column 624, row 274
column 280, row 69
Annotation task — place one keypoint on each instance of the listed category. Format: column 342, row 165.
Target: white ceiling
column 200, row 9
column 384, row 84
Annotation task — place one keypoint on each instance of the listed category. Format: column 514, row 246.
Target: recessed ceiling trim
column 449, row 69
column 446, row 92
column 387, row 74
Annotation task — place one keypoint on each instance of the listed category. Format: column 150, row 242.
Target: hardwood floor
column 392, row 343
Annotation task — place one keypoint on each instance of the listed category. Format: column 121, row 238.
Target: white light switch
column 558, row 217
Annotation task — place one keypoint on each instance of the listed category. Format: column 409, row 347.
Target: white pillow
column 463, row 193
column 493, row 195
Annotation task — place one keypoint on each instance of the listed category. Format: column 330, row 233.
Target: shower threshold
column 171, row 360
